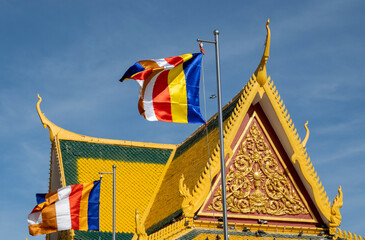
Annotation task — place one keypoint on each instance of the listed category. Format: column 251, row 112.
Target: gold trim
column 300, row 153
column 199, row 224
column 269, row 218
column 53, row 148
column 60, row 161
column 239, row 113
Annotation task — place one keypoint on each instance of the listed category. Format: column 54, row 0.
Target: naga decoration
column 140, row 229
column 187, row 205
column 335, row 208
column 256, row 183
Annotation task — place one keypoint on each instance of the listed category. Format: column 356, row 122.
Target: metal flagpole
column 114, row 193
column 220, row 123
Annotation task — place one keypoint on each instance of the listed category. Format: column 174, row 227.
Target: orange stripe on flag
column 84, row 201
column 49, row 222
column 52, row 197
column 148, row 64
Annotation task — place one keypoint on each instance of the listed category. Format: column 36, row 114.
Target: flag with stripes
column 169, row 88
column 72, row 207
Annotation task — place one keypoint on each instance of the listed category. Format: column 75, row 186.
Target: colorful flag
column 72, row 207
column 169, row 88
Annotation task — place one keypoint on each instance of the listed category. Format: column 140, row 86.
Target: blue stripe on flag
column 137, row 67
column 192, row 77
column 93, row 207
column 41, row 197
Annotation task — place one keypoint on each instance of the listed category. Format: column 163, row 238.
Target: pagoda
column 174, row 191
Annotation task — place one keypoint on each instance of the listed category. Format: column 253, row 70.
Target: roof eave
column 62, row 134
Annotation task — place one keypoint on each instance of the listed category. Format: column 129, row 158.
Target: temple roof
column 139, row 166
column 169, row 184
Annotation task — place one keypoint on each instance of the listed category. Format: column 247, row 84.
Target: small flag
column 72, row 207
column 169, row 88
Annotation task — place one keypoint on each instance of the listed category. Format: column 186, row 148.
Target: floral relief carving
column 256, row 184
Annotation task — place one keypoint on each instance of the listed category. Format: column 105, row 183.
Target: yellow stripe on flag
column 186, row 57
column 83, row 224
column 178, row 96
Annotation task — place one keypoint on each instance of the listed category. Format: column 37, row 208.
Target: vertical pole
column 221, row 143
column 114, row 192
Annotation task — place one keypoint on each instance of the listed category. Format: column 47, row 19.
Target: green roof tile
column 82, row 235
column 73, row 150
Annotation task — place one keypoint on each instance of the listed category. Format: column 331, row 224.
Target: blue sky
column 73, row 53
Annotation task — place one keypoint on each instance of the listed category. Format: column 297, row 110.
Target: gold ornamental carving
column 140, row 229
column 335, row 219
column 256, row 184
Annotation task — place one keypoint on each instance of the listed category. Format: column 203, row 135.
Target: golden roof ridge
column 300, row 154
column 62, row 134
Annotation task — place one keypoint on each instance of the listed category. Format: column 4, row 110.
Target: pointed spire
column 53, row 129
column 261, row 75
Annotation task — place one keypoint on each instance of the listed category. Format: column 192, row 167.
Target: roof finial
column 53, row 129
column 43, row 118
column 261, row 75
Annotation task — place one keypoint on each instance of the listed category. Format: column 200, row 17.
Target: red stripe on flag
column 174, row 60
column 142, row 75
column 161, row 98
column 74, row 199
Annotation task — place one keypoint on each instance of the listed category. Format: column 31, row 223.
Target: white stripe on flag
column 63, row 214
column 148, row 99
column 35, row 218
column 140, row 82
column 64, row 192
column 162, row 63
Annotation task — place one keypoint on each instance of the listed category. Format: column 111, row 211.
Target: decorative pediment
column 258, row 182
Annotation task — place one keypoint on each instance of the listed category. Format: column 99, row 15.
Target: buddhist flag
column 72, row 207
column 169, row 88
